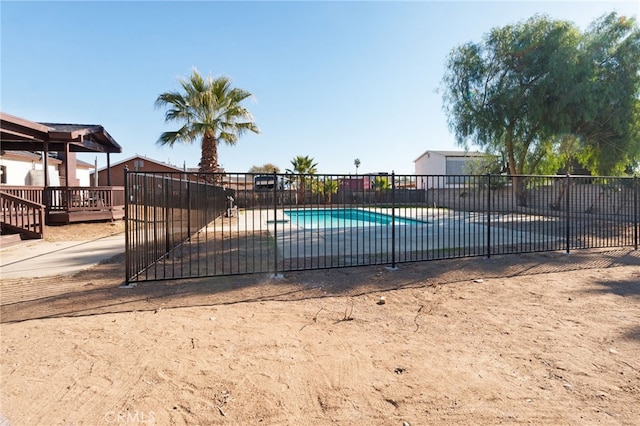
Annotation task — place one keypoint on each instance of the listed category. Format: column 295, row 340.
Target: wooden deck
column 84, row 204
column 61, row 205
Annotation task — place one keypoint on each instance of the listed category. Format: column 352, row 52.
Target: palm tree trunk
column 301, row 188
column 209, row 158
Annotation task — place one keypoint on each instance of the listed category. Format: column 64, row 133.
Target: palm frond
column 229, row 138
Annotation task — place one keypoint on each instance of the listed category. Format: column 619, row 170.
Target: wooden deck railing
column 82, row 198
column 73, row 204
column 30, row 193
column 22, row 215
column 84, row 204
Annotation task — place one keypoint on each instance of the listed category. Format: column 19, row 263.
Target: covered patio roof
column 19, row 134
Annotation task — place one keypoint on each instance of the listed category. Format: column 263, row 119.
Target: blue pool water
column 343, row 218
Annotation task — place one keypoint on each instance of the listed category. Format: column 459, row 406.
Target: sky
column 333, row 80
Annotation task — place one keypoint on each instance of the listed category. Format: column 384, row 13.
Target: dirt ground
column 83, row 231
column 533, row 339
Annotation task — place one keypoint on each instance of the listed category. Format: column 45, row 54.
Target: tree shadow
column 633, row 334
column 626, row 288
column 97, row 291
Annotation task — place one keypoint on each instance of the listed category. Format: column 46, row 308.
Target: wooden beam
column 90, row 145
column 20, row 135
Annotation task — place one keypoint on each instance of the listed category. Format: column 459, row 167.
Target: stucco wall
column 28, row 173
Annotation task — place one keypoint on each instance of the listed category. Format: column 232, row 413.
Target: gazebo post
column 45, row 193
column 108, row 169
column 45, row 163
column 67, row 172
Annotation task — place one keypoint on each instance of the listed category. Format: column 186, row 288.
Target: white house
column 25, row 168
column 84, row 172
column 442, row 169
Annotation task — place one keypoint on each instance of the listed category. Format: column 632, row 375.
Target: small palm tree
column 208, row 109
column 356, row 163
column 380, row 184
column 325, row 187
column 302, row 166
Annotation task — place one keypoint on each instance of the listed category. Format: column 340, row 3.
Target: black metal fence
column 187, row 225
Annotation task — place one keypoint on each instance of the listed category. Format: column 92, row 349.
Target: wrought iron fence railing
column 186, row 225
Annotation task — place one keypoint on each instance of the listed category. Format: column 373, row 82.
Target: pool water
column 343, row 218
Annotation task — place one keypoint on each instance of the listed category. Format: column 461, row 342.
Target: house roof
column 29, row 156
column 452, row 154
column 142, row 157
column 25, row 156
column 19, row 134
column 84, row 164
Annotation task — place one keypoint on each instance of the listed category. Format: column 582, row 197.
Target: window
column 3, row 174
column 266, row 182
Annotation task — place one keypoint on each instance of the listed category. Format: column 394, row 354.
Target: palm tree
column 329, row 187
column 325, row 187
column 379, row 185
column 209, row 109
column 356, row 163
column 302, row 166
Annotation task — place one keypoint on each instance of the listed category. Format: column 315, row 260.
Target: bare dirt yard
column 83, row 231
column 533, row 339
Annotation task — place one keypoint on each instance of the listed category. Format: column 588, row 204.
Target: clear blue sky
column 332, row 80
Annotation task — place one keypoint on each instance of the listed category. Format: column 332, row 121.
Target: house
column 139, row 163
column 361, row 182
column 136, row 163
column 443, row 169
column 25, row 168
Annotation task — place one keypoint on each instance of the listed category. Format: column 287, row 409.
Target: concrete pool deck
column 465, row 233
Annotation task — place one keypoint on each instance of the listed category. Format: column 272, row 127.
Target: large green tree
column 500, row 93
column 537, row 94
column 209, row 110
column 265, row 168
column 607, row 105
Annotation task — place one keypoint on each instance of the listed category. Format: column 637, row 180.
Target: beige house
column 443, row 169
column 27, row 168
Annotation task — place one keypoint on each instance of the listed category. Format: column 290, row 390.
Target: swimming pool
column 343, row 218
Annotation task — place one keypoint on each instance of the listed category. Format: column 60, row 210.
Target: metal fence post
column 167, row 219
column 393, row 219
column 567, row 213
column 488, row 215
column 127, row 252
column 636, row 219
column 188, row 208
column 275, row 225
